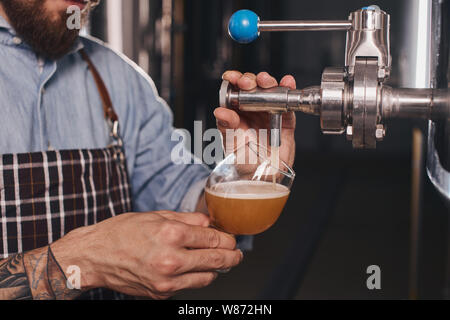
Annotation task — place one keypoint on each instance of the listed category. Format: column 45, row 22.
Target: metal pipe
column 307, row 100
column 431, row 104
column 274, row 100
column 322, row 25
column 415, row 103
column 269, row 100
column 280, row 99
column 276, row 122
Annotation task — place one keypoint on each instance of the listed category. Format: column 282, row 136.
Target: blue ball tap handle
column 243, row 26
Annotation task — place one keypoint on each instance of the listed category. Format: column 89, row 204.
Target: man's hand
column 229, row 119
column 148, row 254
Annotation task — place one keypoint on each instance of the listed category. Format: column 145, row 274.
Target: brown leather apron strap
column 108, row 108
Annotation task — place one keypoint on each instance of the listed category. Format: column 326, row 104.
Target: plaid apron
column 45, row 195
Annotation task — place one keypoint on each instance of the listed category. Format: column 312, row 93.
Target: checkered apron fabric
column 45, row 195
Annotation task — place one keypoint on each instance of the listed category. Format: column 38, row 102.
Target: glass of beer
column 248, row 190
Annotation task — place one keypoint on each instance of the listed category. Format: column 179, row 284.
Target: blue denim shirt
column 46, row 104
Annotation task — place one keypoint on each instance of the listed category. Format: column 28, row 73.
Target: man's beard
column 48, row 35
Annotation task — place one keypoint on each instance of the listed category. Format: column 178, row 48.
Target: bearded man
column 78, row 196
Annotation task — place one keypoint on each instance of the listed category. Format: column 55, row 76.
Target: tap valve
column 353, row 99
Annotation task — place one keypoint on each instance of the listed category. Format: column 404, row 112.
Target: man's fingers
column 232, row 76
column 250, row 75
column 247, row 82
column 194, row 280
column 226, row 119
column 266, row 81
column 193, row 219
column 212, row 260
column 288, row 82
column 208, row 238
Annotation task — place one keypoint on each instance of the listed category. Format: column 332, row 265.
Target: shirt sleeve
column 189, row 202
column 157, row 182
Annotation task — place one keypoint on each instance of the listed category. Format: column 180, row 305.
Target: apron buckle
column 116, row 140
column 115, row 133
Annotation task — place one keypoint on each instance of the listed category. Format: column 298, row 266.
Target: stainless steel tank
column 424, row 64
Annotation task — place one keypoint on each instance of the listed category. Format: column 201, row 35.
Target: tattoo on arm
column 34, row 275
column 13, row 279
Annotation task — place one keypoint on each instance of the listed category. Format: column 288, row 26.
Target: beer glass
column 248, row 190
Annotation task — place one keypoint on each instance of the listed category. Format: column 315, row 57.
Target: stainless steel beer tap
column 353, row 99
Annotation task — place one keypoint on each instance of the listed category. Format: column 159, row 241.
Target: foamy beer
column 246, row 207
column 248, row 198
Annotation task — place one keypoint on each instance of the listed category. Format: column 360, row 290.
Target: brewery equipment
column 352, row 100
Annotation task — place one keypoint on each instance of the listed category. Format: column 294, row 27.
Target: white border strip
column 423, row 44
column 115, row 24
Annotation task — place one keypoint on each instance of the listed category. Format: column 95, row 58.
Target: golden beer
column 246, row 207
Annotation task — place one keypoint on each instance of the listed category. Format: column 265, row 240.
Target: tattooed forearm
column 13, row 279
column 34, row 275
column 58, row 280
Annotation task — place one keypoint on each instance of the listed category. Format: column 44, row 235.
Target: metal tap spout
column 274, row 100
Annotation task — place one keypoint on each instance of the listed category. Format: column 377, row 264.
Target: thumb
column 226, row 119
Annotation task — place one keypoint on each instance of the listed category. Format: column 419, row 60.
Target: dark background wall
column 349, row 209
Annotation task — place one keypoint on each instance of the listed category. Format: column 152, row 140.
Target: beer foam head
column 248, row 190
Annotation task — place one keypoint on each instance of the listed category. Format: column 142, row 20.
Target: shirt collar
column 5, row 25
column 77, row 46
